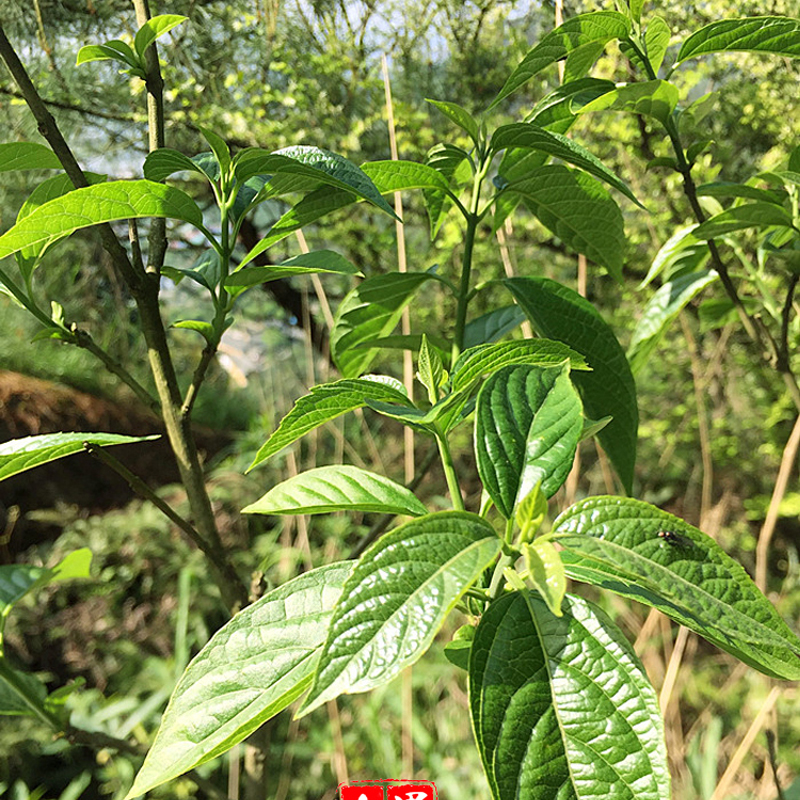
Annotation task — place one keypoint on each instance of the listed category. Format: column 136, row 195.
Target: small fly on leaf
column 674, row 539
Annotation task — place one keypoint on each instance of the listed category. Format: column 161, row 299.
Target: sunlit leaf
column 776, row 35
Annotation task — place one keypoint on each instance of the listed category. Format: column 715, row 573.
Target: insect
column 674, row 539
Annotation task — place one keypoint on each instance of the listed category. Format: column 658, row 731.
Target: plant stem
column 450, row 472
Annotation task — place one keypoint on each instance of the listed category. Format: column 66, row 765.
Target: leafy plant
column 558, row 698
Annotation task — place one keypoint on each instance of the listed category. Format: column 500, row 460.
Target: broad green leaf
column 492, row 326
column 311, row 162
column 558, row 110
column 222, row 153
column 326, row 402
column 165, row 161
column 206, row 271
column 580, row 60
column 657, row 99
column 656, row 42
column 794, row 160
column 776, row 35
column 153, row 29
column 252, row 668
column 752, row 215
column 430, row 370
column 396, row 599
column 726, row 189
column 205, row 329
column 636, row 10
column 371, row 310
column 114, row 50
column 27, row 155
column 312, row 207
column 105, row 202
column 643, row 553
column 337, row 488
column 528, row 136
column 528, row 422
column 413, row 341
column 450, row 162
column 21, row 694
column 560, row 313
column 456, row 651
column 561, row 706
column 682, row 252
column 578, row 210
column 304, row 264
column 546, row 572
column 18, row 455
column 397, row 176
column 17, row 580
column 460, row 116
column 599, row 27
column 488, row 358
column 660, row 312
column 530, row 513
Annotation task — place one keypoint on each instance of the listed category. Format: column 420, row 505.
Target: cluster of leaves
column 543, row 666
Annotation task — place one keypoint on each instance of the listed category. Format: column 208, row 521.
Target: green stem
column 498, row 577
column 450, row 472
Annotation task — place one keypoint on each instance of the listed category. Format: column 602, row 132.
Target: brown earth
column 30, row 406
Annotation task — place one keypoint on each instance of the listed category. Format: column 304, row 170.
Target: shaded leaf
column 562, row 707
column 578, row 210
column 645, row 554
column 316, row 261
column 752, row 215
column 252, row 668
column 657, row 99
column 396, row 599
column 162, row 163
column 337, row 488
column 460, row 116
column 370, row 311
column 492, row 326
column 27, row 155
column 528, row 422
column 659, row 313
column 609, row 389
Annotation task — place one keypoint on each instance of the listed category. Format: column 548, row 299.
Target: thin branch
column 215, row 554
column 207, row 356
column 89, row 112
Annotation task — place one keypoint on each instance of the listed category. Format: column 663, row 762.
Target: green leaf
column 682, row 252
column 369, row 311
column 727, row 189
column 599, row 28
column 27, row 155
column 397, row 176
column 21, row 694
column 488, row 358
column 337, row 488
column 222, row 153
column 528, row 136
column 492, row 326
column 531, row 512
column 312, row 207
column 663, row 307
column 205, row 329
column 430, row 370
column 528, row 422
column 153, row 29
column 317, row 261
column 559, row 109
column 19, row 455
column 252, row 668
column 656, row 42
column 460, row 116
column 657, row 99
column 578, row 210
column 636, row 10
column 162, row 163
column 561, row 706
column 396, row 599
column 751, row 215
column 450, row 162
column 326, row 402
column 105, row 202
column 456, row 651
column 115, row 50
column 304, row 161
column 776, row 35
column 609, row 389
column 643, row 553
column 546, row 572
